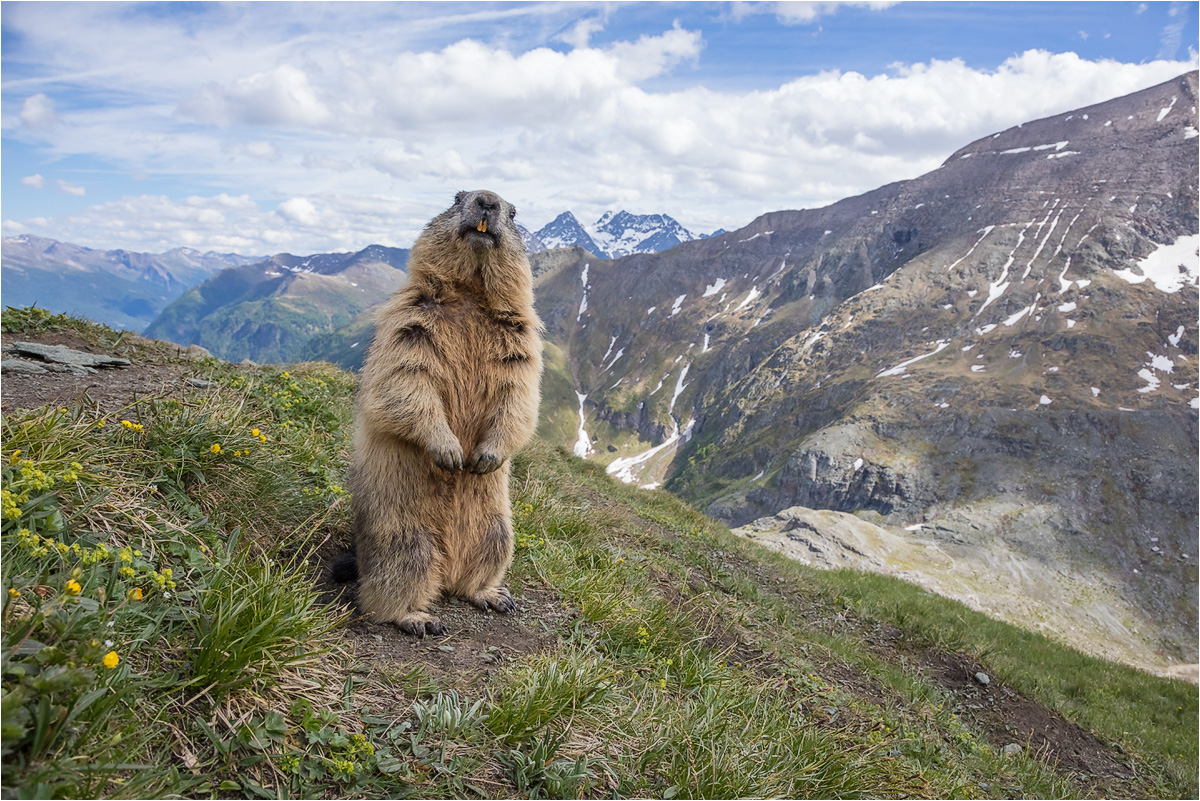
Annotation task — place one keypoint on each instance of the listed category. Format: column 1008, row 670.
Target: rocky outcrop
column 57, row 358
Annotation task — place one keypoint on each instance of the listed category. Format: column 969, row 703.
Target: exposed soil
column 477, row 643
column 110, row 389
column 1004, row 716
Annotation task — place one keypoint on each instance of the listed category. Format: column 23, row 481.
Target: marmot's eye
column 459, row 198
column 512, row 212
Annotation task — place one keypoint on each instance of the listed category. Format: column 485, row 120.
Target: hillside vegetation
column 169, row 630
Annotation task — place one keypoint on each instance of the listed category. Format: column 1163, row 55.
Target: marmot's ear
column 459, row 198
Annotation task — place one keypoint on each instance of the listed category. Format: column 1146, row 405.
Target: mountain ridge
column 269, row 310
column 120, row 287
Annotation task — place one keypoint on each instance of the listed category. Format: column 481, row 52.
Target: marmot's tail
column 345, row 569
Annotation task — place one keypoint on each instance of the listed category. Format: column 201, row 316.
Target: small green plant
column 248, row 622
column 536, row 772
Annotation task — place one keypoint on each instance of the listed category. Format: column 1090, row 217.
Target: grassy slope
column 689, row 663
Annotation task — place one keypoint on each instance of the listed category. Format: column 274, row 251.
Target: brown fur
column 449, row 391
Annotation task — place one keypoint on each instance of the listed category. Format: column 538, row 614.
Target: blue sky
column 263, row 127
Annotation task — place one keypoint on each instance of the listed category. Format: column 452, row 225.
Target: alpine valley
column 983, row 380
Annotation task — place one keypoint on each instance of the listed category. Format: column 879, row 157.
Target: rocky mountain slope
column 118, row 287
column 268, row 311
column 997, row 359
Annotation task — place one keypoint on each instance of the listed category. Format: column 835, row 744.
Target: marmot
column 449, row 391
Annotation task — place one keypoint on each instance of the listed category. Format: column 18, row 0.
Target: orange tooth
column 482, row 227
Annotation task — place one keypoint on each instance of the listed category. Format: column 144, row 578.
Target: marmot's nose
column 488, row 202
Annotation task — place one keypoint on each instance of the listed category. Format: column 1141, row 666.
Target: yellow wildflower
column 101, row 424
column 126, row 424
column 216, row 448
column 72, row 587
column 135, row 594
column 13, row 592
column 111, row 660
column 262, row 438
column 253, row 432
column 16, row 457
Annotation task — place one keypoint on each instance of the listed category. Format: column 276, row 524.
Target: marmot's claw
column 419, row 628
column 482, row 462
column 497, row 599
column 449, row 459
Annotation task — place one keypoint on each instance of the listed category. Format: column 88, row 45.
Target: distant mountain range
column 130, row 290
column 122, row 288
column 614, row 235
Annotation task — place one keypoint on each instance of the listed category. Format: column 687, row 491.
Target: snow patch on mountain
column 1169, row 267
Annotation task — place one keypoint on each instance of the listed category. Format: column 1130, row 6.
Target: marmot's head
column 484, row 220
column 476, row 239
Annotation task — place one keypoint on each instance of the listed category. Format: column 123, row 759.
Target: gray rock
column 201, row 383
column 1011, row 750
column 983, row 679
column 21, row 367
column 75, row 360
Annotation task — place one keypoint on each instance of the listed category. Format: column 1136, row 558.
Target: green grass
column 162, row 636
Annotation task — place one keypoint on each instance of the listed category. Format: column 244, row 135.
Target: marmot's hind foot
column 418, row 624
column 494, row 598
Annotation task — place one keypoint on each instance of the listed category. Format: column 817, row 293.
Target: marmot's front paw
column 447, row 454
column 483, row 461
column 420, row 624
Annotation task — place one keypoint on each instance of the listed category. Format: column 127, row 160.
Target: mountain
column 564, row 231
column 533, row 243
column 267, row 311
column 995, row 362
column 121, row 288
column 614, row 235
column 623, row 233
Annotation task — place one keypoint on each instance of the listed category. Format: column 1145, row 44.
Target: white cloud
column 798, row 12
column 155, row 223
column 281, row 96
column 1172, row 34
column 581, row 32
column 38, row 111
column 260, row 150
column 68, row 188
column 299, row 210
column 35, row 181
